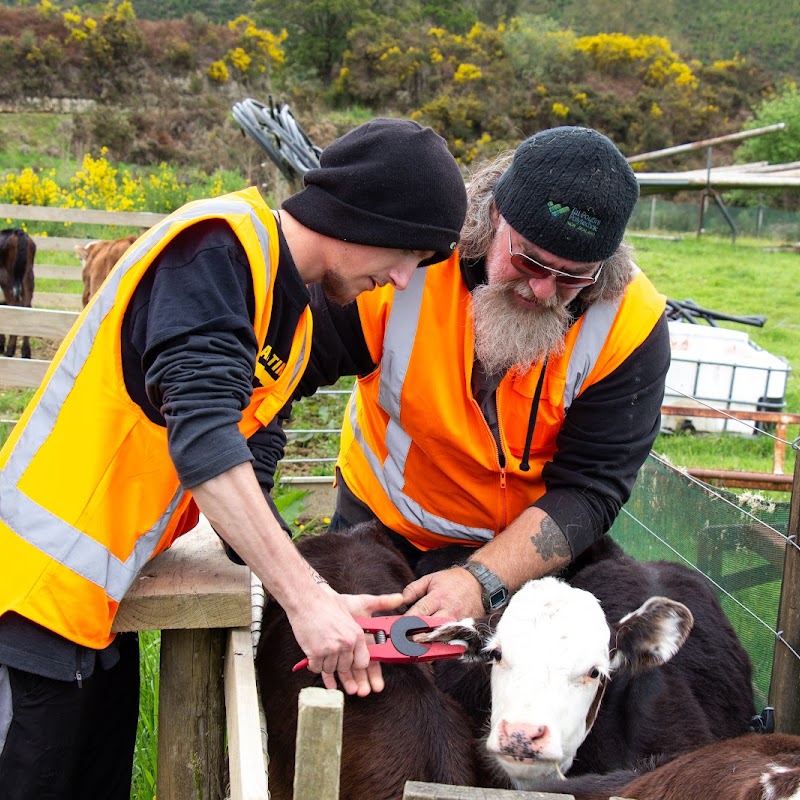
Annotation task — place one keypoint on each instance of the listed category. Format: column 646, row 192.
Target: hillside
column 153, row 90
column 762, row 30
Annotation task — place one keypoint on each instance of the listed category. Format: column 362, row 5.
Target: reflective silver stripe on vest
column 66, row 544
column 398, row 342
column 597, row 322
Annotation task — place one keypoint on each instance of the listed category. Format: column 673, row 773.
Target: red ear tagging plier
column 393, row 645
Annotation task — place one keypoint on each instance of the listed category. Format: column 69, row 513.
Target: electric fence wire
column 277, row 132
column 681, row 558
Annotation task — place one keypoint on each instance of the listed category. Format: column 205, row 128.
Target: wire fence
column 761, row 221
column 739, row 546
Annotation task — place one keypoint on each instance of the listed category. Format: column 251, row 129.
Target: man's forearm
column 235, row 506
column 532, row 546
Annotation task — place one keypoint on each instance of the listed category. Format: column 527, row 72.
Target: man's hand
column 448, row 593
column 334, row 643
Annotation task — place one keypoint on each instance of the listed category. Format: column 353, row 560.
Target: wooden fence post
column 318, row 754
column 784, row 688
column 191, row 714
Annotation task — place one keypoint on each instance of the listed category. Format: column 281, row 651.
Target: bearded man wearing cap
column 507, row 399
column 156, row 405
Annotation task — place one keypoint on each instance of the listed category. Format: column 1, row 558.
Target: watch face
column 497, row 598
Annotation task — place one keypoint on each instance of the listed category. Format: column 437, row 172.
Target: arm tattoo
column 551, row 543
column 317, row 578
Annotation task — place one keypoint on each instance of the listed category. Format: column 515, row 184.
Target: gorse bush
column 99, row 184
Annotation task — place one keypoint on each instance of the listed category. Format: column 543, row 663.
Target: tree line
column 484, row 74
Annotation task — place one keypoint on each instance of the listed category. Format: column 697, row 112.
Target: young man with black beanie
column 162, row 400
column 518, row 386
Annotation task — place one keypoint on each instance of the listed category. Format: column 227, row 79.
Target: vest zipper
column 503, row 504
column 501, row 458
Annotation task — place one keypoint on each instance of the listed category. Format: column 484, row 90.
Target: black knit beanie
column 570, row 191
column 388, row 183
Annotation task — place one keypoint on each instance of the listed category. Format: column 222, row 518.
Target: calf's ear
column 469, row 632
column 651, row 635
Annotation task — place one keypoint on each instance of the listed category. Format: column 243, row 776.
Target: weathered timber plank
column 419, row 790
column 39, row 322
column 248, row 775
column 60, row 272
column 191, row 585
column 58, row 244
column 25, row 373
column 137, row 219
column 319, row 744
column 765, row 481
column 58, row 300
column 736, row 413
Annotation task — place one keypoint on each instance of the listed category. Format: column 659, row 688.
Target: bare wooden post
column 245, row 754
column 784, row 688
column 318, row 753
column 191, row 715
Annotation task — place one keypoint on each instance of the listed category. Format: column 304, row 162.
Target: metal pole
column 682, row 148
column 784, row 688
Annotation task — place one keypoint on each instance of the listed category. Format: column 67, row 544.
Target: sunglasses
column 530, row 268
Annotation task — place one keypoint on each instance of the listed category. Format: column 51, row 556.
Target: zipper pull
column 79, row 678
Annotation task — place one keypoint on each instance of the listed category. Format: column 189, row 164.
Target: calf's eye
column 593, row 673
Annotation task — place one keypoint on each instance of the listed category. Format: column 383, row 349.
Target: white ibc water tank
column 725, row 369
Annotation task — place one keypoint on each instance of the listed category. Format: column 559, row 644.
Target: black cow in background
column 17, row 252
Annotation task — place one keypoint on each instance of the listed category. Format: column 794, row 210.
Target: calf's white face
column 550, row 660
column 549, row 654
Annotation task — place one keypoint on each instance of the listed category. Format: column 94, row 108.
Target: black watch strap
column 494, row 591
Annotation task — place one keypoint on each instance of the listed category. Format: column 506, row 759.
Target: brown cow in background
column 17, row 251
column 98, row 258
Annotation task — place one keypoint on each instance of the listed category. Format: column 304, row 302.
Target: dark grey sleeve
column 606, row 437
column 199, row 352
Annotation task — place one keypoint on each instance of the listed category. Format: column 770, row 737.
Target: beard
column 508, row 334
column 336, row 288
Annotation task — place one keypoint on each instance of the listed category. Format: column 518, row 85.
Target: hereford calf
column 409, row 731
column 98, row 259
column 551, row 661
column 615, row 624
column 750, row 767
column 17, row 252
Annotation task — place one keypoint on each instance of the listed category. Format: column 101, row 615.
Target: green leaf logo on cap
column 556, row 209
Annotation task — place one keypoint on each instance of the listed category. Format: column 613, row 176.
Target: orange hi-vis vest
column 415, row 446
column 88, row 493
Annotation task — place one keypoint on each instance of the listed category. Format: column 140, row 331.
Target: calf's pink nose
column 521, row 739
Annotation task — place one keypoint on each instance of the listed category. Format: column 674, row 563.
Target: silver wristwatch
column 495, row 592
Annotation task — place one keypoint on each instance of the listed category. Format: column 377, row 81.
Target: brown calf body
column 98, row 259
